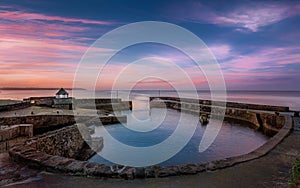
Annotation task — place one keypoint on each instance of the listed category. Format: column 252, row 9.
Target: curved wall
column 36, row 152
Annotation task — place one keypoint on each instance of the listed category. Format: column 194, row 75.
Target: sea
column 277, row 98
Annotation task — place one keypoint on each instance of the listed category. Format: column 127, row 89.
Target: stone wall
column 95, row 101
column 271, row 123
column 44, row 123
column 65, row 142
column 30, row 153
column 116, row 105
column 49, row 101
column 228, row 104
column 15, row 106
column 41, row 101
column 9, row 135
column 41, row 123
column 57, row 151
column 10, row 132
column 268, row 123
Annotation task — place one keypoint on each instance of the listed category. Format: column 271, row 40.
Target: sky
column 256, row 43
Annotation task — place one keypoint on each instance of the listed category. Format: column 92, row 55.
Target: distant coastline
column 36, row 88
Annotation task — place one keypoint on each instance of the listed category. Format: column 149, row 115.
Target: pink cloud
column 267, row 58
column 20, row 15
column 39, row 49
column 251, row 16
column 221, row 51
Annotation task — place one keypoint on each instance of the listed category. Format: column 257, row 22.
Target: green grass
column 295, row 174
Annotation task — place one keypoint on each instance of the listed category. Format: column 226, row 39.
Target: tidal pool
column 150, row 127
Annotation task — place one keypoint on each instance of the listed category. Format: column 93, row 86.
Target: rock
column 90, row 168
column 188, row 169
column 38, row 156
column 103, row 171
column 127, row 173
column 75, row 167
column 210, row 166
column 168, row 171
column 150, row 172
column 139, row 173
column 201, row 167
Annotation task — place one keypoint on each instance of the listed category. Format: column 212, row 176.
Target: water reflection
column 232, row 140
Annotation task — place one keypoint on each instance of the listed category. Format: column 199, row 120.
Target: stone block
column 103, row 171
column 168, row 171
column 188, row 169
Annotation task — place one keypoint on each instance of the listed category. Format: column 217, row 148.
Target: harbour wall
column 66, row 142
column 34, row 153
column 16, row 106
column 106, row 106
column 44, row 123
column 268, row 123
column 56, row 151
column 8, row 134
column 99, row 103
column 228, row 104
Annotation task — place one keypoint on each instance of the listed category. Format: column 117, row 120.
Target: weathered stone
column 89, row 168
column 103, row 171
column 16, row 106
column 75, row 167
column 56, row 161
column 127, row 173
column 168, row 171
column 39, row 156
column 210, row 166
column 117, row 168
column 27, row 150
column 139, row 173
column 67, row 142
column 201, row 167
column 188, row 169
column 150, row 172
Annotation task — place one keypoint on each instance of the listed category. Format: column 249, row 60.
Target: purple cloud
column 251, row 16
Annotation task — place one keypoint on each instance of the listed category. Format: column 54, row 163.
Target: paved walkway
column 271, row 170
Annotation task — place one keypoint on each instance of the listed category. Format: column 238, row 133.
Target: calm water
column 282, row 98
column 232, row 140
column 157, row 125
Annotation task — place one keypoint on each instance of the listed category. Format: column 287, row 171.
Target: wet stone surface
column 12, row 171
